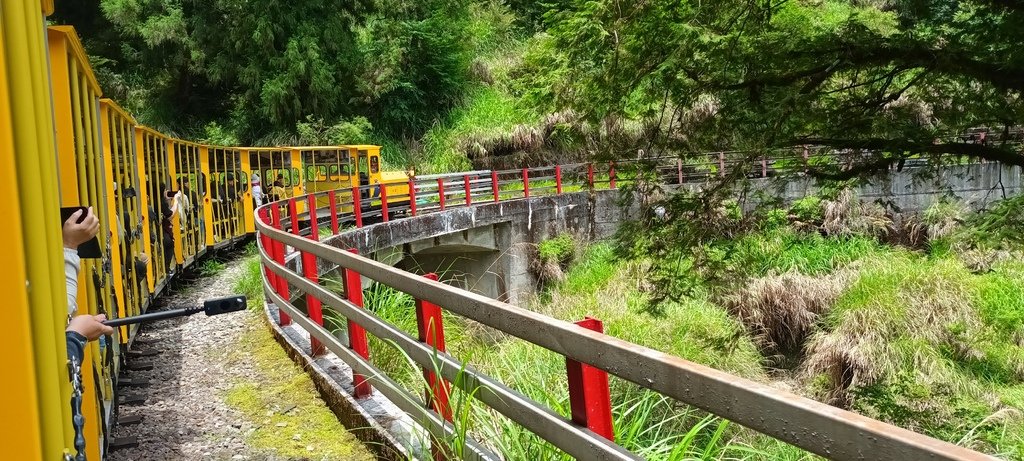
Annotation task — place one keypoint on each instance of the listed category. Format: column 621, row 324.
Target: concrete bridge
column 482, row 246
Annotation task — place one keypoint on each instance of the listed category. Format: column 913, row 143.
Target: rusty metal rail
column 816, row 427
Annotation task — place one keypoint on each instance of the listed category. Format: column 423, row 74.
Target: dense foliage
column 899, row 78
column 259, row 67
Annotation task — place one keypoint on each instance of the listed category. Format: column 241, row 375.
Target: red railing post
column 558, row 179
column 412, row 197
column 590, row 175
column 282, row 283
column 440, row 191
column 293, row 216
column 311, row 272
column 356, row 334
column 526, row 182
column 431, row 332
column 494, row 185
column 721, row 164
column 611, row 175
column 383, row 202
column 357, row 206
column 333, row 198
column 589, row 397
column 466, row 185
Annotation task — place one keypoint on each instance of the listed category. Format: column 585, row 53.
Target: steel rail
column 573, row 439
column 808, row 424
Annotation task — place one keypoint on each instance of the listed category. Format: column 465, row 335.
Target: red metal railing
column 588, row 432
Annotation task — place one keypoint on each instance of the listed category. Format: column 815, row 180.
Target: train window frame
column 362, row 162
column 374, row 164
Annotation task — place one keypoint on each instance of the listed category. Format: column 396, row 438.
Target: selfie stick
column 211, row 307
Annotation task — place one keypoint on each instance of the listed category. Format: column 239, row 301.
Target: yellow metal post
column 172, row 167
column 204, row 167
column 143, row 193
column 23, row 405
column 247, row 200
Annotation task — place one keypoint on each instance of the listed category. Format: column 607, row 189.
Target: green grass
column 250, row 282
column 211, row 267
column 486, row 110
column 281, row 404
column 1000, row 297
column 926, row 343
column 784, row 250
column 600, row 286
column 593, row 270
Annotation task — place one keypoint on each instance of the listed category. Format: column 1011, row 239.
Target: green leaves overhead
column 260, row 66
column 895, row 76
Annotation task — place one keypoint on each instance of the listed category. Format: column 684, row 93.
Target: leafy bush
column 1001, row 226
column 315, row 132
column 559, row 250
column 808, row 209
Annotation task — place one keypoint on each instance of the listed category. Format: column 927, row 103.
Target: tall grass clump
column 909, row 342
column 250, row 282
column 599, row 285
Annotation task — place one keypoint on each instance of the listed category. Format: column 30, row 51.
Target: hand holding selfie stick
column 211, row 307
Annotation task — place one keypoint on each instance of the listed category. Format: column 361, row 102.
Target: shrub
column 553, row 257
column 807, row 210
column 560, row 249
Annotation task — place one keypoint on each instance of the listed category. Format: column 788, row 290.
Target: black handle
column 211, row 307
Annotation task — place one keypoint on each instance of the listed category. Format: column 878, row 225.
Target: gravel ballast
column 202, row 364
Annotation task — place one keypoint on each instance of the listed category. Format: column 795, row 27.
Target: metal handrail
column 808, row 424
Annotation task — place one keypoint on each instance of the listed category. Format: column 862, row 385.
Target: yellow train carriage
column 61, row 144
column 36, row 390
column 129, row 272
column 86, row 179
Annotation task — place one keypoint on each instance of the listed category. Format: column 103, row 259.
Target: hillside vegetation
column 929, row 336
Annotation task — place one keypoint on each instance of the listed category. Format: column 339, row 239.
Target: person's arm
column 73, row 234
column 71, row 264
column 76, row 347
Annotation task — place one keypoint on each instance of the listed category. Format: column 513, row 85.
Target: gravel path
column 185, row 414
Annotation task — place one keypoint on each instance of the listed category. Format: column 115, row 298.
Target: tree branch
column 901, row 150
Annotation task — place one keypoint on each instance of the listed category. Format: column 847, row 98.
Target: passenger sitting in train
column 277, row 192
column 184, row 203
column 257, row 191
column 168, row 210
column 84, row 327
